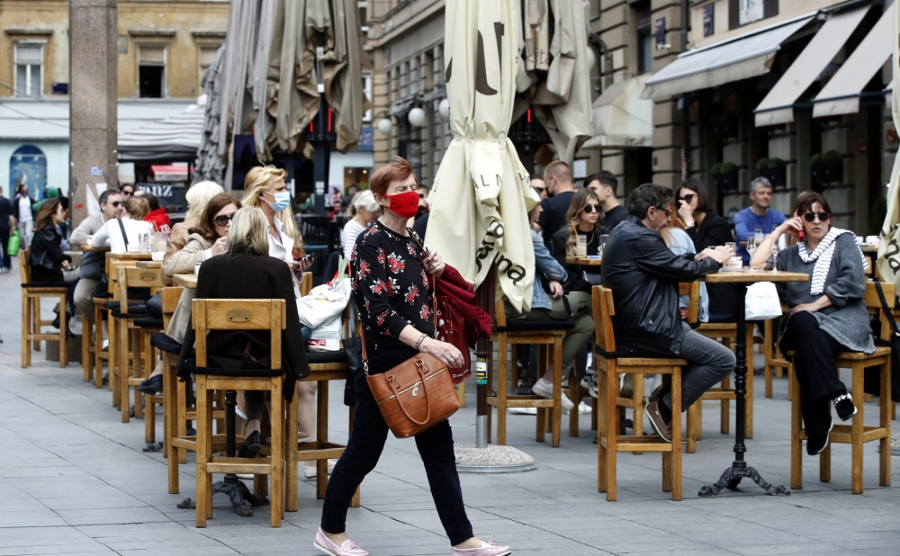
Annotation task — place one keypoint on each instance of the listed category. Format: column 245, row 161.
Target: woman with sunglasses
column 583, row 220
column 206, row 240
column 827, row 314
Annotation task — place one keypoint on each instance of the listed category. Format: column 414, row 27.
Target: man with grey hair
column 756, row 215
column 112, row 205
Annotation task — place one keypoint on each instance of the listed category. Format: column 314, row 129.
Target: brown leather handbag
column 414, row 395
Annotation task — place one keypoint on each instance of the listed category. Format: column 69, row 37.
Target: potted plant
column 762, row 168
column 834, row 167
column 817, row 172
column 777, row 172
column 729, row 176
column 717, row 175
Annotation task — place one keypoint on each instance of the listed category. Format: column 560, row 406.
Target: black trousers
column 817, row 375
column 363, row 451
column 4, row 241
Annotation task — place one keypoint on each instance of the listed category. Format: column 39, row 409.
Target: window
column 644, row 29
column 29, row 69
column 28, row 165
column 152, row 71
column 744, row 12
column 207, row 58
column 367, row 90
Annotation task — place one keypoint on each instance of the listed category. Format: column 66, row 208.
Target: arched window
column 28, row 164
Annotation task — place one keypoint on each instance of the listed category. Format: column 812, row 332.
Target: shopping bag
column 326, row 301
column 12, row 247
column 326, row 336
column 762, row 302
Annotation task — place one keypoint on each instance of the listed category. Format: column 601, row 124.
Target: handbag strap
column 884, row 308
column 433, row 282
column 124, row 235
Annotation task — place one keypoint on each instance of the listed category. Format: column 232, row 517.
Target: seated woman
column 197, row 196
column 827, row 314
column 706, row 229
column 582, row 220
column 120, row 234
column 364, row 211
column 555, row 307
column 680, row 243
column 245, row 271
column 47, row 259
column 206, row 240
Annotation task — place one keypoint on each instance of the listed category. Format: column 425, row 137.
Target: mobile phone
column 309, row 257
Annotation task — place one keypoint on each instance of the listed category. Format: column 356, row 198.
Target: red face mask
column 404, row 204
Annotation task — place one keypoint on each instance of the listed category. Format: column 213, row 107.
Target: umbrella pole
column 483, row 458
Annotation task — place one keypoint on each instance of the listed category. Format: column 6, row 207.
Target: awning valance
column 621, row 118
column 175, row 138
column 730, row 60
column 777, row 107
column 841, row 94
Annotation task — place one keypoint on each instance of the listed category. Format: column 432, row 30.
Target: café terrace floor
column 74, row 480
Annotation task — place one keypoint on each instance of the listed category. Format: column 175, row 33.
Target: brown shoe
column 651, row 410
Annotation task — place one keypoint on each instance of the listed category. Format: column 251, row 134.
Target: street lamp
column 416, row 117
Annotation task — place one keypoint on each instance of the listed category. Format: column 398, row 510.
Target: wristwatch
column 689, row 224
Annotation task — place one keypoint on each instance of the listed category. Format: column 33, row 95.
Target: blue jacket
column 547, row 266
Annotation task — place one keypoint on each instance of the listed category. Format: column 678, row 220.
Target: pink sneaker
column 347, row 548
column 487, row 549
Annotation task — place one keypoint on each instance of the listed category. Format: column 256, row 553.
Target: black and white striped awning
column 176, row 138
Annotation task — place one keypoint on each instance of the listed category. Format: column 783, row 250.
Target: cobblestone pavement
column 74, row 479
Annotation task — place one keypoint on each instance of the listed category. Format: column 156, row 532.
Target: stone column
column 93, row 103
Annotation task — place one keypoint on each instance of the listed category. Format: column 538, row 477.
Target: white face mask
column 281, row 202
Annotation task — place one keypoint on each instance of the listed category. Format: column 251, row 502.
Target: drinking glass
column 604, row 239
column 759, row 234
column 751, row 245
column 775, row 250
column 581, row 246
column 158, row 243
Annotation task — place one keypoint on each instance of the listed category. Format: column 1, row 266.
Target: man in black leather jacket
column 643, row 274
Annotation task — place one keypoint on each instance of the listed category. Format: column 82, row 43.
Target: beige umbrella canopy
column 554, row 77
column 269, row 80
column 480, row 196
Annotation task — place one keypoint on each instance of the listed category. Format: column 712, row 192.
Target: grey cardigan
column 847, row 319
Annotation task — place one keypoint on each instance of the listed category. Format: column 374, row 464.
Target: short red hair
column 398, row 170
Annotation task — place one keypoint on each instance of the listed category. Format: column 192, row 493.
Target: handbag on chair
column 414, row 395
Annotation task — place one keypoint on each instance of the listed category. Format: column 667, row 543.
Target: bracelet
column 420, row 340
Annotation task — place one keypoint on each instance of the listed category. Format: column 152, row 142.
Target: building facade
column 163, row 49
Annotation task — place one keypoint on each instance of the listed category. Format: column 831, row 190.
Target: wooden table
column 129, row 256
column 185, row 280
column 586, row 261
column 149, row 264
column 871, row 251
column 88, row 247
column 739, row 468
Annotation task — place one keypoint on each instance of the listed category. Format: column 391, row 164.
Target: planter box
column 817, row 177
column 729, row 181
column 777, row 176
column 834, row 171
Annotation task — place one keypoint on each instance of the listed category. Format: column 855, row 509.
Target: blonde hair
column 249, row 227
column 257, row 182
column 137, row 208
column 573, row 217
column 198, row 195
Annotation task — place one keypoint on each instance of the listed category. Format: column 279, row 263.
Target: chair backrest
column 170, row 298
column 873, row 304
column 316, row 230
column 239, row 314
column 133, row 277
column 692, row 290
column 25, row 266
column 604, row 310
column 306, row 283
column 113, row 266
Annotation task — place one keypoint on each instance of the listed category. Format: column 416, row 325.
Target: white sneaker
column 76, row 325
column 522, row 410
column 584, row 408
column 544, row 389
column 589, row 383
column 310, row 471
column 105, row 345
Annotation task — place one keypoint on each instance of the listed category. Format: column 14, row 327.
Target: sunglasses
column 116, row 204
column 128, row 193
column 591, row 208
column 687, row 198
column 668, row 211
column 811, row 216
column 223, row 219
column 539, row 189
column 421, row 195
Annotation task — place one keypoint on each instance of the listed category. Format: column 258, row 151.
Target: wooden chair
column 110, row 305
column 724, row 393
column 239, row 314
column 775, row 361
column 31, row 314
column 515, row 332
column 610, row 364
column 857, row 433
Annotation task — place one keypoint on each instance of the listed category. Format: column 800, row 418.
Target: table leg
column 739, row 469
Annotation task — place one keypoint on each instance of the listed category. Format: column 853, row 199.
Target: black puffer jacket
column 643, row 274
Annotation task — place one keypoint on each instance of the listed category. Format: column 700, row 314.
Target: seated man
column 643, row 274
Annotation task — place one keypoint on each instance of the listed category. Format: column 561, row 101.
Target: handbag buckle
column 415, row 391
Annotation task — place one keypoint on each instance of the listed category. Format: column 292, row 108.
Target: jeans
column 363, row 450
column 4, row 243
column 817, row 375
column 25, row 233
column 708, row 363
column 576, row 337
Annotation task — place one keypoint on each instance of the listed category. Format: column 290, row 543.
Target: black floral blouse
column 391, row 290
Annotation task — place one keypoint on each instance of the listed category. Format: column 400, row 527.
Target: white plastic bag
column 327, row 336
column 324, row 302
column 762, row 302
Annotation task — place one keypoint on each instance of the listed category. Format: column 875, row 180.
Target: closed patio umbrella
column 889, row 249
column 481, row 196
column 556, row 83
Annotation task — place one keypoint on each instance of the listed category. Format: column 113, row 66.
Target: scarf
column 822, row 255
